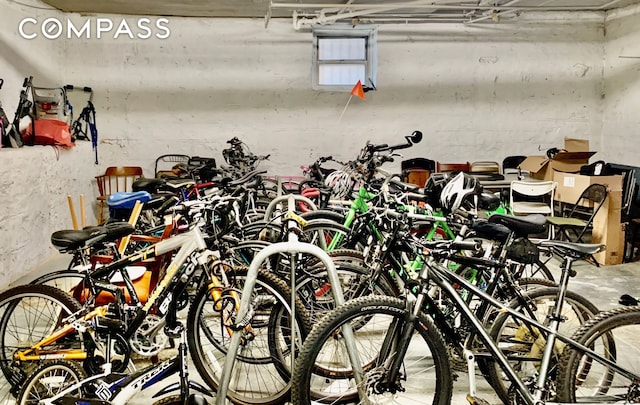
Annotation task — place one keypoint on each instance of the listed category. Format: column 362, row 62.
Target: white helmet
column 339, row 182
column 456, row 190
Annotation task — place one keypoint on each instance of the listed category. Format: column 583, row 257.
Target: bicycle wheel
column 325, row 234
column 28, row 314
column 49, row 379
column 614, row 336
column 425, row 376
column 71, row 281
column 314, row 287
column 262, row 370
column 523, row 344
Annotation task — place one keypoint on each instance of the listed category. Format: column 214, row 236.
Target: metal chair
column 573, row 225
column 532, row 197
column 485, row 166
column 165, row 163
column 113, row 180
column 510, row 164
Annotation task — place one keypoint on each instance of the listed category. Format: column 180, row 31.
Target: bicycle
column 397, row 367
column 63, row 382
column 263, row 330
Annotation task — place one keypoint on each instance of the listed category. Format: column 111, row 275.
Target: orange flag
column 357, row 90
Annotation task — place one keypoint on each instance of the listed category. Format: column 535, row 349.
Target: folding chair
column 165, row 163
column 510, row 164
column 485, row 166
column 532, row 197
column 579, row 219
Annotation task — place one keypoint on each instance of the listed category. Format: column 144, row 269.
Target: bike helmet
column 434, row 186
column 340, row 184
column 455, row 191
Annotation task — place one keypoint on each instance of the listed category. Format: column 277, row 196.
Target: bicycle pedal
column 473, row 400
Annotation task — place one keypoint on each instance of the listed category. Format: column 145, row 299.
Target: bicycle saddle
column 522, row 226
column 68, row 240
column 575, row 250
column 145, row 184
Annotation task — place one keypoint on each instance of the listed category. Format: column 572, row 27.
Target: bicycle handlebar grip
column 466, row 245
column 416, row 197
column 379, row 148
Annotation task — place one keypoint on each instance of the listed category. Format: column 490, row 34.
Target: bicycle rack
column 292, row 246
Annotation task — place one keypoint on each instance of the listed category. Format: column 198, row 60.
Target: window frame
column 337, row 31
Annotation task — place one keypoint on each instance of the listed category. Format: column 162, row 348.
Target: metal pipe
column 252, row 275
column 422, row 5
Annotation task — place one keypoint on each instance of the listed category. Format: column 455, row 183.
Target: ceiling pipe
column 498, row 14
column 357, row 10
column 430, row 5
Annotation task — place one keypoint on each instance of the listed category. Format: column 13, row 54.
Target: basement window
column 342, row 55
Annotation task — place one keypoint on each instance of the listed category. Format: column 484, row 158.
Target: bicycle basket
column 522, row 250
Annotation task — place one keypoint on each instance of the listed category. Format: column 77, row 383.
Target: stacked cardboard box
column 575, row 155
column 563, row 168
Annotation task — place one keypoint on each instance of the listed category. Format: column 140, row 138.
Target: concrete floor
column 601, row 285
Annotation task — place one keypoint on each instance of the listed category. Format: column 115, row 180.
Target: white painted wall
column 621, row 121
column 477, row 93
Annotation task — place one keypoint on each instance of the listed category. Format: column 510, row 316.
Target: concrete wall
column 477, row 93
column 620, row 120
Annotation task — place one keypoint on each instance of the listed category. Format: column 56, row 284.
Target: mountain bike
column 384, row 349
column 64, row 382
column 62, row 335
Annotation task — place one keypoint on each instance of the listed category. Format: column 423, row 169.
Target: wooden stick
column 83, row 214
column 74, row 221
column 133, row 219
column 345, row 107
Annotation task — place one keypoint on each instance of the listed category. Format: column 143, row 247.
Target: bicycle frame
column 121, row 390
column 186, row 245
column 444, row 279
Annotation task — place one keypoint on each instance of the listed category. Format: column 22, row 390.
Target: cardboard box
column 571, row 185
column 608, row 230
column 577, row 155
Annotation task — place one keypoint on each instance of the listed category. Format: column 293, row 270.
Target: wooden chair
column 452, row 167
column 113, row 180
column 417, row 171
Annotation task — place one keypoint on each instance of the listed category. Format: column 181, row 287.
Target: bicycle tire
column 258, row 357
column 49, row 379
column 23, row 322
column 523, row 346
column 614, row 335
column 425, row 379
column 314, row 287
column 322, row 232
column 65, row 280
